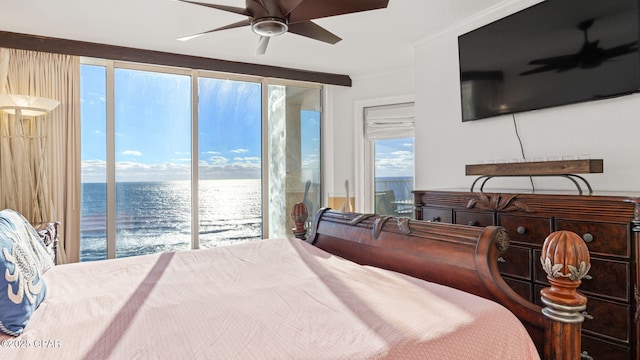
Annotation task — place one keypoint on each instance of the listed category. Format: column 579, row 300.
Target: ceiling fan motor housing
column 269, row 26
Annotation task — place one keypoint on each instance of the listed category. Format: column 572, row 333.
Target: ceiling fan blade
column 262, row 45
column 621, row 50
column 288, row 5
column 308, row 10
column 261, row 8
column 230, row 26
column 313, row 31
column 233, row 9
column 271, row 6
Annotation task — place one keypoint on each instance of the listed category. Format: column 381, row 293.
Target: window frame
column 364, row 186
column 111, row 65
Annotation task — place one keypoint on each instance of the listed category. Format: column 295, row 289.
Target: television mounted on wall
column 554, row 53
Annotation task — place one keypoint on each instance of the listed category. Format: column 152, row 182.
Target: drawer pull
column 587, row 315
column 521, row 230
column 587, row 237
column 472, row 223
column 585, row 355
column 501, row 260
column 435, row 219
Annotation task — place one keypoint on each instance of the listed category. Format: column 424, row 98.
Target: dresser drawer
column 608, row 278
column 516, row 261
column 601, row 238
column 603, row 350
column 609, row 319
column 474, row 218
column 526, row 229
column 437, row 215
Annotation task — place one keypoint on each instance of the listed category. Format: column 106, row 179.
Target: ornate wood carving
column 499, row 202
column 502, row 240
column 565, row 259
column 299, row 215
column 404, row 226
column 377, row 226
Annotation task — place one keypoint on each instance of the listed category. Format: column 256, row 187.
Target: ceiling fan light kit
column 269, row 26
column 269, row 18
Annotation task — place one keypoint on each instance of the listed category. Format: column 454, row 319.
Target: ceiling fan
column 590, row 54
column 269, row 18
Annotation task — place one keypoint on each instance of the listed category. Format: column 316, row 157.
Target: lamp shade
column 28, row 105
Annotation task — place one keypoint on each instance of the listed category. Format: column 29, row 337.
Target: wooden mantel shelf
column 564, row 168
column 536, row 168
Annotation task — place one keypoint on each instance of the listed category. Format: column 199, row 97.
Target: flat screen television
column 554, row 53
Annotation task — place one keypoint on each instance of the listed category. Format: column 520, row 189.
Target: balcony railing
column 393, row 196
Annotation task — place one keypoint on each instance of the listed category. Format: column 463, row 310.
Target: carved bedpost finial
column 299, row 215
column 565, row 259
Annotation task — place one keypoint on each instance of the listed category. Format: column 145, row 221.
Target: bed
column 357, row 287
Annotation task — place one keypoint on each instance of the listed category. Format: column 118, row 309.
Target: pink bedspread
column 271, row 299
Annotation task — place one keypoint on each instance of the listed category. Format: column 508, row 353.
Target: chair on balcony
column 386, row 204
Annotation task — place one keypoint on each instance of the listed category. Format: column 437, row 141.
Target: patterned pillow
column 13, row 222
column 22, row 287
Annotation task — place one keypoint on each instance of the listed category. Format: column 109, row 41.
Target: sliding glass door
column 152, row 162
column 230, row 165
column 151, row 183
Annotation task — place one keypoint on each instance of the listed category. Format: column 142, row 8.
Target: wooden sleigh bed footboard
column 466, row 258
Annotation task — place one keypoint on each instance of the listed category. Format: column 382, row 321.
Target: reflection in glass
column 294, row 154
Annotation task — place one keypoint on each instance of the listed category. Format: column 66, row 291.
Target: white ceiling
column 373, row 41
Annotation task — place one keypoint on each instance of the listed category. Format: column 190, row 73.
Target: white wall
column 605, row 129
column 340, row 132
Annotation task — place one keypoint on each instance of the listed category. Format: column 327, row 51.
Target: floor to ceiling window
column 152, row 163
column 93, row 88
column 140, row 154
column 230, row 161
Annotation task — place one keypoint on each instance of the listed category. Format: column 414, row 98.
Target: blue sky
column 153, row 131
column 153, row 140
column 394, row 157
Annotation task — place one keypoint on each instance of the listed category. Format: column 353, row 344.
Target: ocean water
column 155, row 216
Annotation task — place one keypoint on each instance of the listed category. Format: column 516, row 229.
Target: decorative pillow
column 27, row 236
column 22, row 287
column 48, row 233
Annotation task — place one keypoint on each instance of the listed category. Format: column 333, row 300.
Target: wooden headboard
column 463, row 257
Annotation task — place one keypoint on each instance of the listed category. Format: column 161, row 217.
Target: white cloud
column 212, row 167
column 131, row 152
column 218, row 160
column 247, row 159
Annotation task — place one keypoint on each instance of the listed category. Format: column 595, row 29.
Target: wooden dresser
column 608, row 222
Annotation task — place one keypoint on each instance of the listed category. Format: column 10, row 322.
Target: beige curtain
column 40, row 156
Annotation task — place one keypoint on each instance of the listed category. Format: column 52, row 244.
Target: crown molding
column 481, row 18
